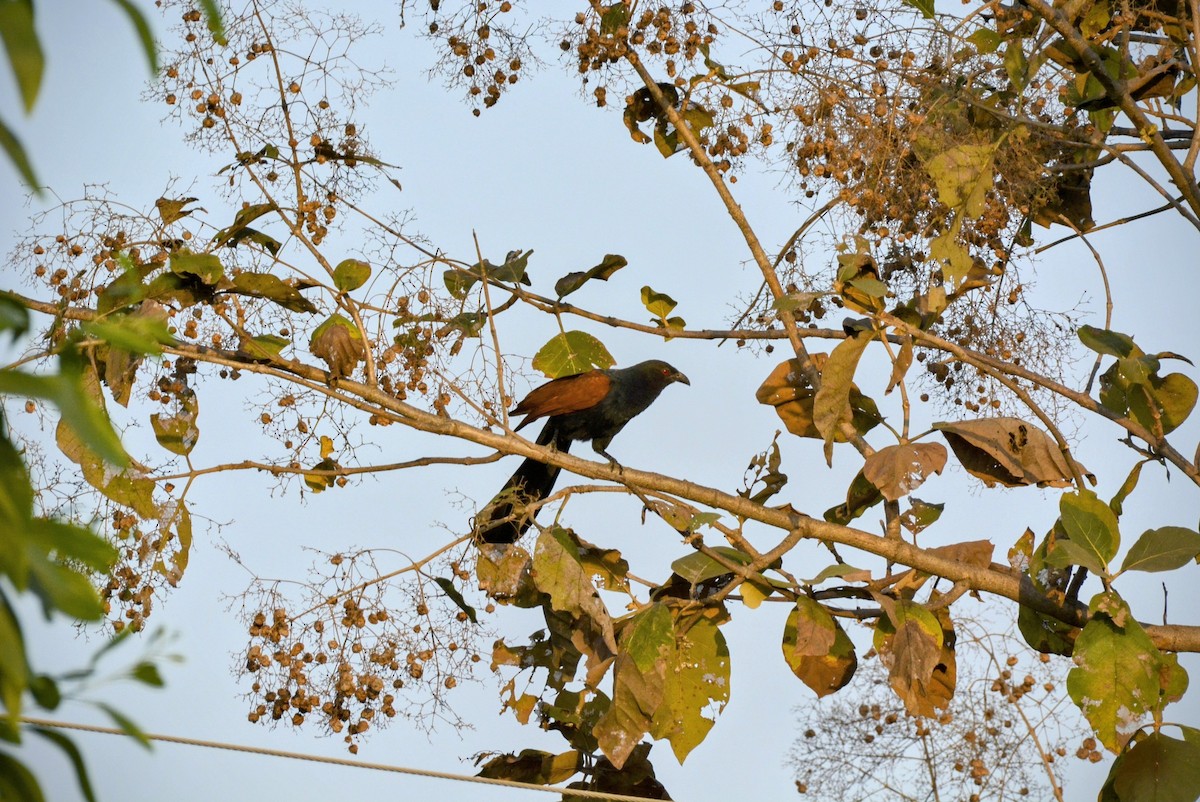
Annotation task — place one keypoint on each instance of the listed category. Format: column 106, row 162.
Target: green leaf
column 1015, row 64
column 45, row 692
column 1091, row 525
column 17, row 155
column 953, row 256
column 532, row 766
column 147, row 673
column 1115, row 681
column 924, row 6
column 985, row 40
column 60, row 588
column 319, row 482
column 571, row 352
column 1163, row 549
column 273, row 288
column 921, row 515
column 183, row 531
column 698, row 118
column 72, row 752
column 650, row 634
column 512, row 271
column 559, row 573
column 613, row 17
column 1175, row 396
column 350, row 274
column 73, row 542
column 16, row 780
column 697, row 567
column 240, row 231
column 716, row 67
column 697, row 682
column 264, row 347
column 858, row 282
column 79, row 410
column 23, row 48
column 128, row 488
column 831, row 406
column 666, row 141
column 1103, row 341
column 14, row 670
column 458, row 282
column 125, row 724
column 1158, row 768
column 247, row 234
column 744, row 88
column 16, row 507
column 452, row 592
column 140, row 334
column 658, row 304
column 14, row 317
column 172, row 209
column 1117, row 502
column 176, row 433
column 860, row 497
column 212, row 18
column 838, row 570
column 206, row 267
column 601, row 272
column 963, row 175
column 469, row 323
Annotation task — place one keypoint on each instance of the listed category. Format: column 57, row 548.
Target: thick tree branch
column 996, row 579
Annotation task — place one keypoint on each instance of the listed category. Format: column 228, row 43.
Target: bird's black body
column 588, row 406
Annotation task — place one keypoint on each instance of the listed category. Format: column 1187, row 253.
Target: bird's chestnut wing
column 564, row 395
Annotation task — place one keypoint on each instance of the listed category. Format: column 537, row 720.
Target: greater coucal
column 594, row 405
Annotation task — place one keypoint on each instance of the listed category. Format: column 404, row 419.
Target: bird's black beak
column 679, row 377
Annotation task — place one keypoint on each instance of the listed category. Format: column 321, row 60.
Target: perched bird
column 587, row 406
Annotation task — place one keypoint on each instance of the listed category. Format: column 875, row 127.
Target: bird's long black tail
column 506, row 518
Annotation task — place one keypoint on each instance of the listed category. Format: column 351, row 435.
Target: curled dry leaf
column 1008, row 451
column 338, row 342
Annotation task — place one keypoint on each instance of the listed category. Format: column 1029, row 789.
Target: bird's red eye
column 666, row 372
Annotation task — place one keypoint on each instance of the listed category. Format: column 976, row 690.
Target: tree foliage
column 931, row 144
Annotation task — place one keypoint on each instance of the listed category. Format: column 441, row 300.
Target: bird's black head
column 660, row 372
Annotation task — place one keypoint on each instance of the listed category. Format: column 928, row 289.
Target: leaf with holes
column 789, row 392
column 898, row 470
column 1007, row 451
column 1115, row 681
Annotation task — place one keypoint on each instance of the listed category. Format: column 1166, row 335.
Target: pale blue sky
column 548, row 171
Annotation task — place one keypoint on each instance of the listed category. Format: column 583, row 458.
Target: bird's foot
column 611, row 461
